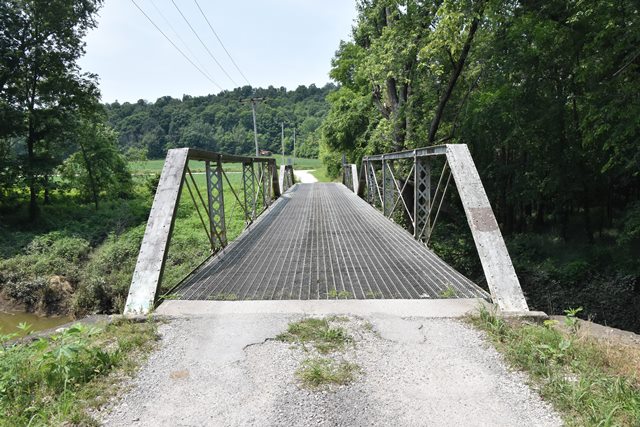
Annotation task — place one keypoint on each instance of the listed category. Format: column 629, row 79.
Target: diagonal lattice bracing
column 496, row 263
column 422, row 197
column 148, row 273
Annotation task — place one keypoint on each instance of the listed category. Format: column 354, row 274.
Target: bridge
column 326, row 240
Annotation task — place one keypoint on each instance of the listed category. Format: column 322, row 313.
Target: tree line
column 222, row 122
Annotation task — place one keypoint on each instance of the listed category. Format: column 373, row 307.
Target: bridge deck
column 321, row 241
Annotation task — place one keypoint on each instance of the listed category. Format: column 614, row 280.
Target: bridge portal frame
column 388, row 194
column 260, row 186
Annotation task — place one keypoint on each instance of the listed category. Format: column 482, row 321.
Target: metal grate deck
column 321, row 241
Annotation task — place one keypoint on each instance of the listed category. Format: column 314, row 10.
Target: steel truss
column 401, row 182
column 260, row 187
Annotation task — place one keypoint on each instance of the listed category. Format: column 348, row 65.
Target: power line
column 176, row 47
column 222, row 44
column 203, row 44
column 175, row 32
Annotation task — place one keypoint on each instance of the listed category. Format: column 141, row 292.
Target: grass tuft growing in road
column 586, row 381
column 318, row 332
column 319, row 372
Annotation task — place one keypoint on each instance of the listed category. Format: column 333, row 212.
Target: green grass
column 334, row 293
column 321, row 372
column 56, row 380
column 317, row 332
column 590, row 384
column 147, row 167
column 449, row 292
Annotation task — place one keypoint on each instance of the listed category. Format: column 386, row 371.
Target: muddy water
column 10, row 320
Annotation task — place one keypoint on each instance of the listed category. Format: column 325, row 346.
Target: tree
column 41, row 86
column 97, row 168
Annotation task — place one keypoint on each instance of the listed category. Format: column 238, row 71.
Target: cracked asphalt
column 226, row 370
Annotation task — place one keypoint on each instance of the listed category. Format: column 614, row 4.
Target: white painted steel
column 496, row 263
column 155, row 243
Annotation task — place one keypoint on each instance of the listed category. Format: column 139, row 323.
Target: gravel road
column 305, row 176
column 226, row 370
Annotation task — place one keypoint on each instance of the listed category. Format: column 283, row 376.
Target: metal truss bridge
column 326, row 240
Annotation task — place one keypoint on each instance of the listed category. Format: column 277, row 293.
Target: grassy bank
column 76, row 259
column 591, row 382
column 58, row 380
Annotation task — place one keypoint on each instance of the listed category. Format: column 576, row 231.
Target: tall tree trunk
column 457, row 70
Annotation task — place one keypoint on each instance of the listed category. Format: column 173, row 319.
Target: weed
column 170, row 296
column 52, row 381
column 318, row 372
column 373, row 294
column 449, row 292
column 318, row 332
column 224, row 297
column 333, row 293
column 577, row 375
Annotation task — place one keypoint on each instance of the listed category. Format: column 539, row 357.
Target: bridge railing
column 258, row 187
column 401, row 183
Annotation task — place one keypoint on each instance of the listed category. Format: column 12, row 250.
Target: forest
column 546, row 94
column 222, row 122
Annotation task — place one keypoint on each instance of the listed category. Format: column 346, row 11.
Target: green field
column 155, row 166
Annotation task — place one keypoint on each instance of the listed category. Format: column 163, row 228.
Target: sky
column 273, row 42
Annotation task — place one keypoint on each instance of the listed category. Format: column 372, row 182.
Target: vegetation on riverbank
column 590, row 381
column 79, row 260
column 60, row 379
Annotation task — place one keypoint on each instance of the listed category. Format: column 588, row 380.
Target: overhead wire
column 221, row 44
column 203, row 43
column 177, row 34
column 175, row 46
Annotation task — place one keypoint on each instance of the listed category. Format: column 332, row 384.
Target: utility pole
column 253, row 102
column 294, row 145
column 282, row 140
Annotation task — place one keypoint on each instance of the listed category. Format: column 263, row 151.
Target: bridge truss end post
column 147, row 275
column 501, row 277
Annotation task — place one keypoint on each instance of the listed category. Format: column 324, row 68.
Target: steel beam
column 496, row 263
column 216, row 202
column 388, row 187
column 421, row 195
column 248, row 183
column 147, row 276
column 436, row 150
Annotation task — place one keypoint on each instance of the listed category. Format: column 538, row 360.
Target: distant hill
column 221, row 123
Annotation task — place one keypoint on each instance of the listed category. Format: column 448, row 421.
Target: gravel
column 227, row 370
